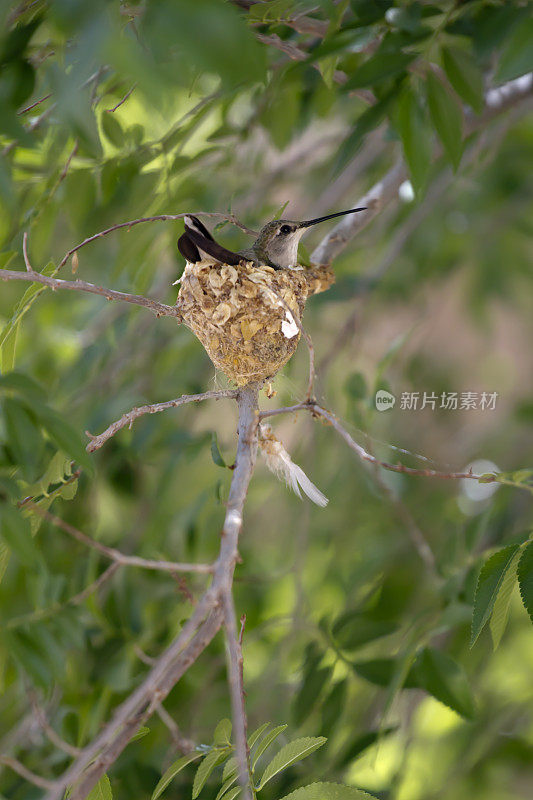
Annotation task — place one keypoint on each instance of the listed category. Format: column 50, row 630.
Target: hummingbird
column 276, row 244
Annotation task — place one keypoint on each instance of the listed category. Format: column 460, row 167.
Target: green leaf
column 233, row 793
column 525, row 578
column 23, row 384
column 446, row 116
column 433, row 671
column 378, row 671
column 16, row 533
column 172, row 771
column 355, row 629
column 222, row 734
column 23, row 437
column 112, row 129
column 500, row 612
column 290, row 754
column 378, row 68
column 464, row 75
column 26, row 302
column 212, row 759
column 101, row 790
column 443, row 678
column 278, row 214
column 8, row 349
column 362, row 743
column 333, row 706
column 368, row 121
column 215, row 452
column 517, row 58
column 230, row 768
column 266, row 742
column 328, row 791
column 252, row 739
column 314, row 680
column 141, row 733
column 488, row 585
column 355, row 386
column 228, row 783
column 415, row 138
column 65, row 436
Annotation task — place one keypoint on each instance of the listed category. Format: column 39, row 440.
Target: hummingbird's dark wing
column 188, row 250
column 192, row 244
column 193, row 223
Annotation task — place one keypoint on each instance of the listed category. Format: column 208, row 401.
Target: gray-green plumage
column 277, row 243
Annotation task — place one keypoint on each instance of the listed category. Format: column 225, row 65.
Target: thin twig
column 121, row 102
column 129, row 417
column 25, row 773
column 47, row 728
column 37, row 102
column 25, row 252
column 318, row 411
column 181, row 743
column 365, row 456
column 157, row 218
column 116, row 555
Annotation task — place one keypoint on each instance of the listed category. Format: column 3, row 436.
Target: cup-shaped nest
column 247, row 317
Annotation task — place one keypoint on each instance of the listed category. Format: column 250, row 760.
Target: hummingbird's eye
column 285, row 229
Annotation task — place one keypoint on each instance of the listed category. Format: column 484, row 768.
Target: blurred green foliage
column 110, row 111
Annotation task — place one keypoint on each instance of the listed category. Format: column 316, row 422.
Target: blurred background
column 171, row 107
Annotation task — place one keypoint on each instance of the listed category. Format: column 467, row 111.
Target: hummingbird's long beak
column 307, row 223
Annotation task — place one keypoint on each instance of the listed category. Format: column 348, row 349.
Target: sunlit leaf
column 101, row 790
column 266, row 742
column 290, row 754
column 489, row 582
column 500, row 612
column 212, row 760
column 328, row 791
column 172, row 771
column 525, row 578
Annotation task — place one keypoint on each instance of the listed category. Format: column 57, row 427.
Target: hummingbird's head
column 278, row 240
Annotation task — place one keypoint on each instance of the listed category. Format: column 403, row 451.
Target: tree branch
column 206, row 619
column 159, row 309
column 129, row 417
column 235, row 681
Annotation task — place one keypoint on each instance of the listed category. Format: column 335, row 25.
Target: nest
column 246, row 316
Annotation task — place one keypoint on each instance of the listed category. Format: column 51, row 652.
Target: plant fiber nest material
column 244, row 315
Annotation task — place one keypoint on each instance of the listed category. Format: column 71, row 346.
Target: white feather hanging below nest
column 280, row 463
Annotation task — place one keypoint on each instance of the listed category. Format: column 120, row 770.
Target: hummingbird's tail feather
column 280, row 463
